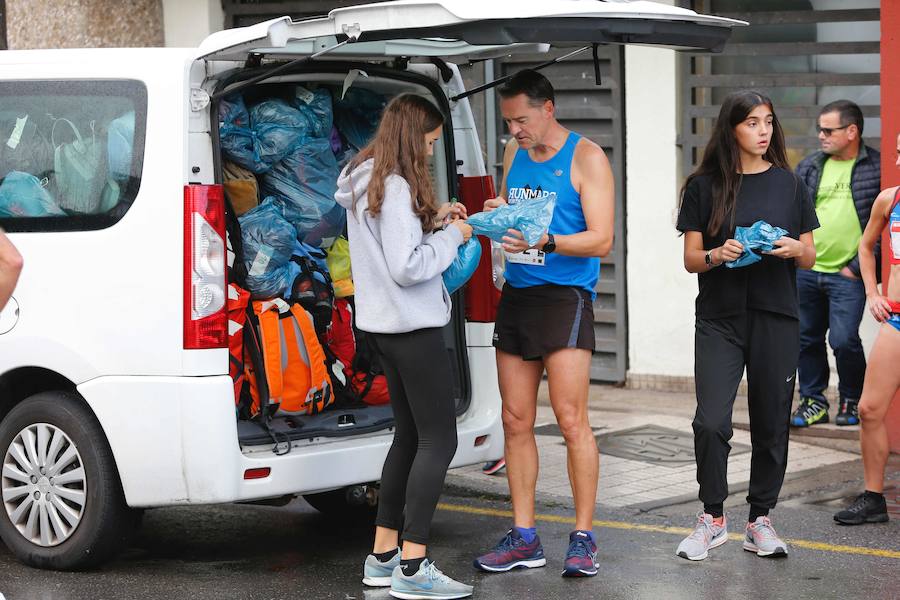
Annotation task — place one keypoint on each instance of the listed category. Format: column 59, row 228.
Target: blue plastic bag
column 236, row 138
column 357, row 115
column 531, row 217
column 279, row 128
column 316, row 105
column 305, row 181
column 269, row 241
column 760, row 237
column 119, row 145
column 22, row 195
column 463, row 266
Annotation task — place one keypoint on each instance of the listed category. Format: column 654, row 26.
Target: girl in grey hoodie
column 399, row 249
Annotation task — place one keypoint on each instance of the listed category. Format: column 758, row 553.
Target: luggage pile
column 54, row 167
column 294, row 346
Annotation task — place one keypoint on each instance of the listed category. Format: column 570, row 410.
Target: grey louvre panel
column 800, row 57
column 597, row 113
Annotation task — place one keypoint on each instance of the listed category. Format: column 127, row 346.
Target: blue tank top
column 527, row 180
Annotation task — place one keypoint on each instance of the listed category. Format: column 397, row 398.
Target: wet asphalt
column 293, row 552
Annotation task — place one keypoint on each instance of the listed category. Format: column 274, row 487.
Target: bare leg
column 412, row 550
column 519, row 380
column 568, row 373
column 385, row 540
column 882, row 382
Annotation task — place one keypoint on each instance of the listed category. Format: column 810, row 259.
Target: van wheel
column 62, row 502
column 344, row 503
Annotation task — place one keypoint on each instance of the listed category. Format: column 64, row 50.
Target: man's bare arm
column 594, row 181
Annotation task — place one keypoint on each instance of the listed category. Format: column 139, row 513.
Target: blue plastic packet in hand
column 531, row 217
column 463, row 266
column 759, row 237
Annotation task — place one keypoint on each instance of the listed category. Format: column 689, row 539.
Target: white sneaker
column 377, row 573
column 761, row 538
column 706, row 536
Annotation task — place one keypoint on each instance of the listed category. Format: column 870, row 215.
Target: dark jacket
column 865, row 184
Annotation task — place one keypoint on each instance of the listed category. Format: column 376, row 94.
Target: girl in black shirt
column 745, row 317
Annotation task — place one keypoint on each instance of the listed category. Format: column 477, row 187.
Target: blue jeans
column 830, row 302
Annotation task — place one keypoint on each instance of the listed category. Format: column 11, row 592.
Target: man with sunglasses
column 845, row 177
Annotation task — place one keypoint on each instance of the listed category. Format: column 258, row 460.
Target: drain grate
column 654, row 445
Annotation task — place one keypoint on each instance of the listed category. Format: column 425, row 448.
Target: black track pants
column 420, row 382
column 768, row 345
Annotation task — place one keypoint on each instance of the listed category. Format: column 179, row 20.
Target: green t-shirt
column 839, row 232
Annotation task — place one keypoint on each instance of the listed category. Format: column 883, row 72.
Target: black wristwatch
column 550, row 246
column 708, row 258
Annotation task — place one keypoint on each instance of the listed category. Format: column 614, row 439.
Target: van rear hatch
column 468, row 29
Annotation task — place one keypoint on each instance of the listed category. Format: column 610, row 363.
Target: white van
column 115, row 392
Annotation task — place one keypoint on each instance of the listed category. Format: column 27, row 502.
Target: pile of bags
column 299, row 294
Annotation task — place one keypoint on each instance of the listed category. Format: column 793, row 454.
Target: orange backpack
column 295, row 371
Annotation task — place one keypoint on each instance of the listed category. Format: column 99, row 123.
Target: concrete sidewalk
column 647, row 458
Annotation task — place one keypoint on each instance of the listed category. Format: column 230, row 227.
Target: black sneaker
column 848, row 413
column 810, row 412
column 867, row 508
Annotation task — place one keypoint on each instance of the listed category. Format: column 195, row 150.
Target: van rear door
column 468, row 29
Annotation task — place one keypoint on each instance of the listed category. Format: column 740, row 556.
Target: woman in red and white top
column 882, row 375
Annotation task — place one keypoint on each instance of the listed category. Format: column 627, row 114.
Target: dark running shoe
column 810, row 412
column 867, row 508
column 513, row 552
column 494, row 467
column 581, row 558
column 848, row 413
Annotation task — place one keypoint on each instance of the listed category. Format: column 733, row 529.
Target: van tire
column 106, row 522
column 335, row 503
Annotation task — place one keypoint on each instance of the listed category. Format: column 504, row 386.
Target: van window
column 71, row 153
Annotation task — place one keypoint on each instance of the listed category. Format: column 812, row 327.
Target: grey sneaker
column 377, row 573
column 762, row 539
column 427, row 583
column 706, row 536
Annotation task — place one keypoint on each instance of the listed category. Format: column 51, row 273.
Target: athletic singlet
column 894, row 229
column 528, row 180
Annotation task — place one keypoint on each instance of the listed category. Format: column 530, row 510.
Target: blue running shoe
column 581, row 558
column 513, row 552
column 427, row 583
column 377, row 573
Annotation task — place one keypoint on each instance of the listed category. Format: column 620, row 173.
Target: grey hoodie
column 396, row 267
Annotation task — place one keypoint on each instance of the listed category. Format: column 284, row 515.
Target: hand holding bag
column 463, row 266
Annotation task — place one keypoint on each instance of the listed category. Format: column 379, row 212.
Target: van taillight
column 481, row 295
column 205, row 320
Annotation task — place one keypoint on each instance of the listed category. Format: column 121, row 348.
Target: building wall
column 186, row 24
column 660, row 291
column 83, row 23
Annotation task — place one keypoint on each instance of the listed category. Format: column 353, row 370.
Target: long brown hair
column 399, row 148
column 722, row 159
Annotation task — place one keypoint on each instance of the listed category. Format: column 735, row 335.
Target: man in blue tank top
column 545, row 317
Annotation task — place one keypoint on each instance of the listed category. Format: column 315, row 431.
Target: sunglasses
column 829, row 130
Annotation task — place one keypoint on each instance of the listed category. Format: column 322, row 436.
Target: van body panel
column 174, row 440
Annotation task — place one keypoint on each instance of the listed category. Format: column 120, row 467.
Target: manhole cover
column 655, row 445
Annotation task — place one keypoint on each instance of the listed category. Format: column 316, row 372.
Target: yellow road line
column 809, row 545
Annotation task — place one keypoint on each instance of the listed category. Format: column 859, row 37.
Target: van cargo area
column 303, row 128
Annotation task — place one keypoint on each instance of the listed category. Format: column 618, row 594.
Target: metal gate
column 801, row 53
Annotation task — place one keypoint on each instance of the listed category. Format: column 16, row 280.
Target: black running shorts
column 535, row 321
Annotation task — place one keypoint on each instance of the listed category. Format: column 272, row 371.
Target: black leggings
column 421, row 386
